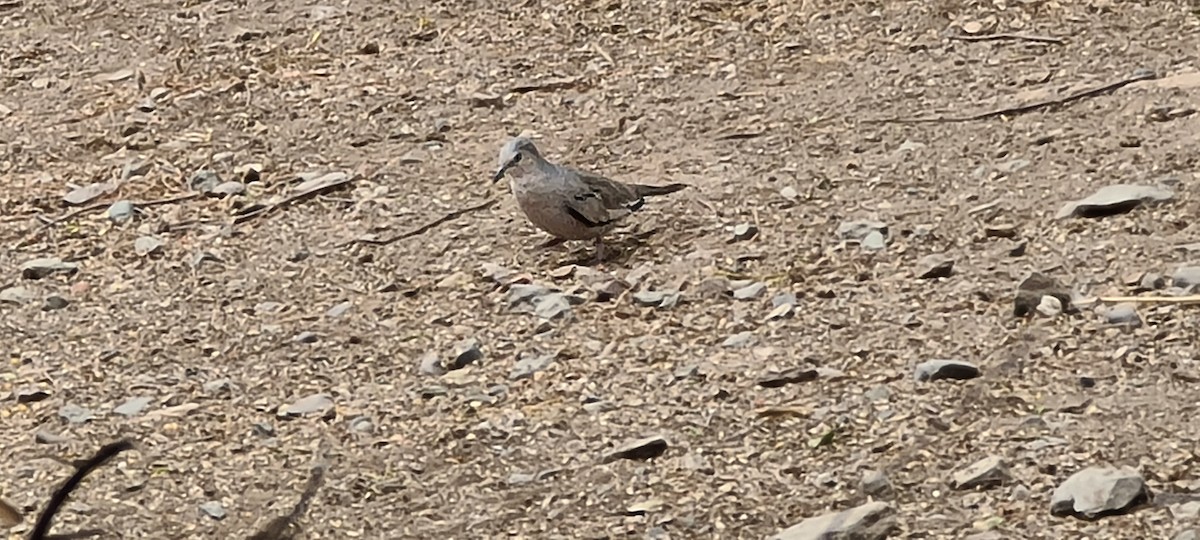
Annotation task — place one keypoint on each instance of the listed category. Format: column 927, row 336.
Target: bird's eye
column 517, row 158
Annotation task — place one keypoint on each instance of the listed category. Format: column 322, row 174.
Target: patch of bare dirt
column 213, row 184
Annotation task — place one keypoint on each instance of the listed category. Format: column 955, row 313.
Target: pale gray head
column 517, row 156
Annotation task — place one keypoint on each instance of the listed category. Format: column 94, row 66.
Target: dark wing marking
column 587, row 222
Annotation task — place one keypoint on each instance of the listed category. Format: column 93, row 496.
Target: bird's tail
column 650, row 191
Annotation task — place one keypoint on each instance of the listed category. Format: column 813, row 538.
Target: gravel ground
column 273, row 242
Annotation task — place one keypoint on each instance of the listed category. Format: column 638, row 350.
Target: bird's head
column 517, row 155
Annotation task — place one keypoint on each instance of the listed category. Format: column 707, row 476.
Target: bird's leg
column 599, row 250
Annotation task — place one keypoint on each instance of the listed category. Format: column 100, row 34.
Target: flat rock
column 86, row 194
column 934, row 266
column 1186, row 277
column 739, row 340
column 751, row 291
column 1189, row 534
column 871, row 521
column 1114, row 199
column 213, row 509
column 858, row 230
column 1123, row 314
column 132, row 406
column 1099, row 491
column 17, row 295
column 874, row 241
column 790, row 376
column 875, row 483
column 744, row 231
column 75, row 414
column 147, row 245
column 640, row 449
column 46, row 266
column 934, row 370
column 988, row 472
column 54, row 302
column 315, row 404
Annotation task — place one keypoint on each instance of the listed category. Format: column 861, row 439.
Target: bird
column 568, row 203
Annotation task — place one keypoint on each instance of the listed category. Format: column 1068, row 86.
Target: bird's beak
column 500, row 173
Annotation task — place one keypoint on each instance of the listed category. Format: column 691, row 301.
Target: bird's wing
column 597, row 201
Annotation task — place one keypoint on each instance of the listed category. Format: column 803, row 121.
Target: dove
column 568, row 203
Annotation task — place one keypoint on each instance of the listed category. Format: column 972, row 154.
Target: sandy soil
column 192, row 326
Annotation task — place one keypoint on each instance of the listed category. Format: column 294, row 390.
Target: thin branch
column 1028, row 107
column 49, row 222
column 423, row 228
column 1009, row 35
column 295, row 198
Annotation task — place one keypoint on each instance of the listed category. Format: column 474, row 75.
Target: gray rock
column 934, row 370
column 339, row 309
column 46, row 266
column 1099, row 491
column 31, row 395
column 1189, row 534
column 17, row 295
column 136, row 168
column 739, row 340
column 305, row 337
column 213, row 509
column 744, row 231
column 783, row 298
column 1188, row 510
column 1151, row 282
column 988, row 472
column 361, row 424
column 1186, row 277
column 857, row 231
column 121, row 211
column 875, row 484
column 431, row 364
column 54, row 302
column 751, row 291
column 552, row 306
column 641, row 449
column 786, row 377
column 661, row 299
column 1115, row 199
column 147, row 245
column 530, row 364
column 204, row 180
column 935, row 266
column 874, row 241
column 88, row 193
column 227, row 189
column 75, row 414
column 465, row 353
column 1123, row 314
column 315, row 404
column 132, row 406
column 871, row 521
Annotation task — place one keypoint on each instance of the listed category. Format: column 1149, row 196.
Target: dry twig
column 294, row 198
column 1028, row 107
column 47, row 222
column 423, row 228
column 1009, row 35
